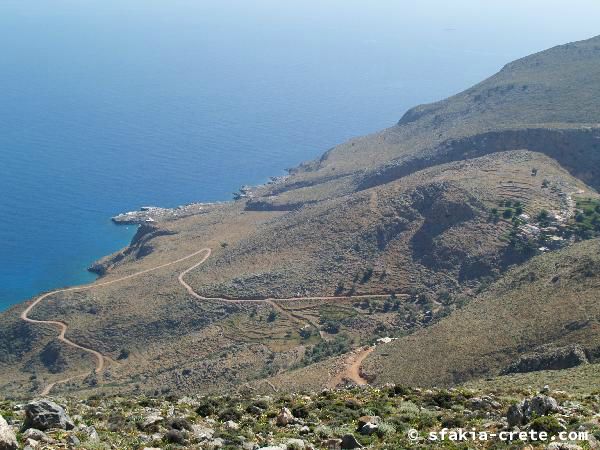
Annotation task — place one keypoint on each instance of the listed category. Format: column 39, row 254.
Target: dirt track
column 352, row 371
column 100, row 359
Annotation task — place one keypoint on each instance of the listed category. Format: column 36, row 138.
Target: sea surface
column 109, row 105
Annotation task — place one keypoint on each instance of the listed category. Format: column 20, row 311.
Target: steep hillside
column 387, row 235
column 544, row 314
column 554, row 89
column 431, row 230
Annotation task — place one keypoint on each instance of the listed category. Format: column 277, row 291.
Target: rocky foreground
column 388, row 417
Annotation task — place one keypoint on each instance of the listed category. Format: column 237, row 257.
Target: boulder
column 33, row 433
column 249, row 446
column 485, row 403
column 91, row 433
column 284, row 418
column 216, row 443
column 515, row 415
column 541, row 405
column 152, row 423
column 549, row 358
column 8, row 439
column 38, row 435
column 202, row 433
column 31, row 444
column 350, row 442
column 363, row 420
column 563, row 446
column 73, row 441
column 369, row 428
column 231, row 425
column 44, row 415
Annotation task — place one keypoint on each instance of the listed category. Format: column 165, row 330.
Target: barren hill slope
column 385, row 235
column 548, row 98
column 549, row 303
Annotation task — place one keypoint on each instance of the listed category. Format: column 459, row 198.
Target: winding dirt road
column 100, row 359
column 352, row 370
column 266, row 299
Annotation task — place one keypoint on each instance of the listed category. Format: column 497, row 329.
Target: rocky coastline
column 150, row 214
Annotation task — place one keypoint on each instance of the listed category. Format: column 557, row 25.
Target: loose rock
column 44, row 415
column 369, row 428
column 350, row 442
column 34, row 433
column 231, row 425
column 285, row 417
column 202, row 433
column 74, row 441
column 8, row 439
column 362, row 421
column 151, row 423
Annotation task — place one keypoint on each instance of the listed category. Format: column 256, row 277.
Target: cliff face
column 549, row 97
column 576, row 149
column 139, row 247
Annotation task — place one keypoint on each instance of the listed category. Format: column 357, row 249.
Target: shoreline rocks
column 151, row 214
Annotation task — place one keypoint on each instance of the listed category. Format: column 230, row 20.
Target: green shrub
column 300, row 411
column 398, row 390
column 323, row 431
column 325, row 349
column 331, row 326
column 208, row 407
column 408, row 412
column 549, row 424
column 353, row 403
column 367, row 275
column 543, row 218
column 385, row 429
column 230, row 414
column 443, row 399
column 454, row 421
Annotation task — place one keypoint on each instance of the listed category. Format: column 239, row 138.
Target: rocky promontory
column 150, row 214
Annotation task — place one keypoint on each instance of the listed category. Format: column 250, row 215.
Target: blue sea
column 109, row 105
